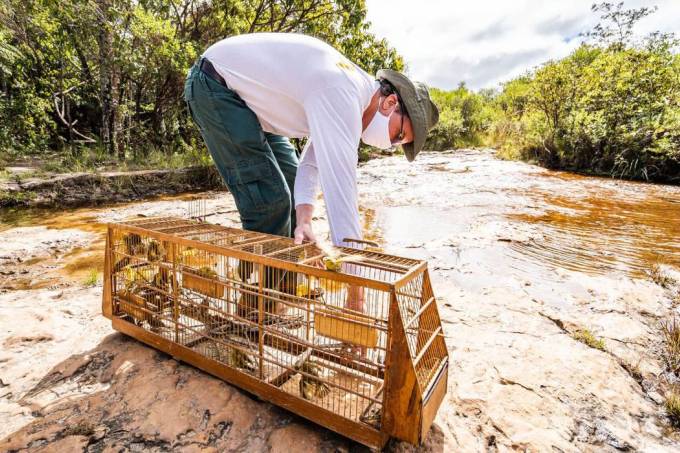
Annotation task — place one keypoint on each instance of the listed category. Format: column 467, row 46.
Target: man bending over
column 249, row 93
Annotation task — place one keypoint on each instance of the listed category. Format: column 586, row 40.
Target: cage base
column 359, row 432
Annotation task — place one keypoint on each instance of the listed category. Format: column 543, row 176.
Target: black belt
column 207, row 67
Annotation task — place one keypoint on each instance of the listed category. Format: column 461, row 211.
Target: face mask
column 377, row 133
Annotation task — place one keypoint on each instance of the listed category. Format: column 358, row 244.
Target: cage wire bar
column 359, row 350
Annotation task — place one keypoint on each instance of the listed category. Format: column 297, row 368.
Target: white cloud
column 485, row 42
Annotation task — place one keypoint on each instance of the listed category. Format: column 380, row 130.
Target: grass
column 671, row 335
column 508, row 153
column 92, row 278
column 586, row 337
column 20, row 178
column 670, row 354
column 96, row 158
column 12, row 198
column 633, row 370
column 658, row 276
column 672, row 405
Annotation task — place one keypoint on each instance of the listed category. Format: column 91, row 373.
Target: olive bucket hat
column 419, row 107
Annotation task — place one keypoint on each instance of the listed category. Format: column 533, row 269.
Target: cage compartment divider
column 227, row 301
column 277, row 340
column 287, row 250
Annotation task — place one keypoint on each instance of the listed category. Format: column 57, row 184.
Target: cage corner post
column 108, row 283
column 175, row 289
column 260, row 319
column 402, row 395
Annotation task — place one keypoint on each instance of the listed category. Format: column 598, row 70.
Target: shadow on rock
column 123, row 395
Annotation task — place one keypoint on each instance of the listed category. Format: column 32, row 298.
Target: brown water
column 482, row 218
column 87, row 218
column 489, row 219
column 596, row 234
column 53, row 265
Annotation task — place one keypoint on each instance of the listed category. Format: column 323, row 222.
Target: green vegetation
column 670, row 354
column 612, row 107
column 92, row 278
column 660, row 277
column 671, row 335
column 464, row 118
column 98, row 84
column 586, row 337
column 672, row 405
column 13, row 198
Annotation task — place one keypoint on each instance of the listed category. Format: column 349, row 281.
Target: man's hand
column 303, row 230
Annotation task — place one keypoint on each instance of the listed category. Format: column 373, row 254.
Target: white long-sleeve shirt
column 299, row 86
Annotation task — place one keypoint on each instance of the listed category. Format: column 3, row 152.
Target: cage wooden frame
column 262, row 313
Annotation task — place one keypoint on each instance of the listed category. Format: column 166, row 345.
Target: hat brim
column 414, row 109
column 412, row 149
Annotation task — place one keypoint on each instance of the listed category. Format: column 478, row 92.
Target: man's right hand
column 303, row 230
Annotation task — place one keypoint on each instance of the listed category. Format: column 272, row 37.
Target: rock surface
column 513, row 293
column 123, row 395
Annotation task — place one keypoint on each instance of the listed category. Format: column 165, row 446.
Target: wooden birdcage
column 358, row 349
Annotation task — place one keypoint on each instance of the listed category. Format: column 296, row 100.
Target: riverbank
column 80, row 189
column 550, row 161
column 525, row 263
column 29, row 186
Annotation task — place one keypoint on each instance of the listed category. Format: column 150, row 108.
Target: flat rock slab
column 124, row 396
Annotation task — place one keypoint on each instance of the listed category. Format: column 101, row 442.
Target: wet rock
column 38, row 337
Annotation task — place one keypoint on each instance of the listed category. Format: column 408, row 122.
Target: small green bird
column 311, row 388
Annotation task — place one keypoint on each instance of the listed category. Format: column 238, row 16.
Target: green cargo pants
column 258, row 167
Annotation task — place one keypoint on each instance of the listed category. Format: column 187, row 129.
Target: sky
column 487, row 42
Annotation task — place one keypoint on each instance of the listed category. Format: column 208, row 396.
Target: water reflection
column 507, row 216
column 604, row 234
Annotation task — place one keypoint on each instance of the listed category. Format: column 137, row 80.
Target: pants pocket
column 255, row 186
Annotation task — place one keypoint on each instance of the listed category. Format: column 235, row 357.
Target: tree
column 609, row 107
column 80, row 74
column 617, row 23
